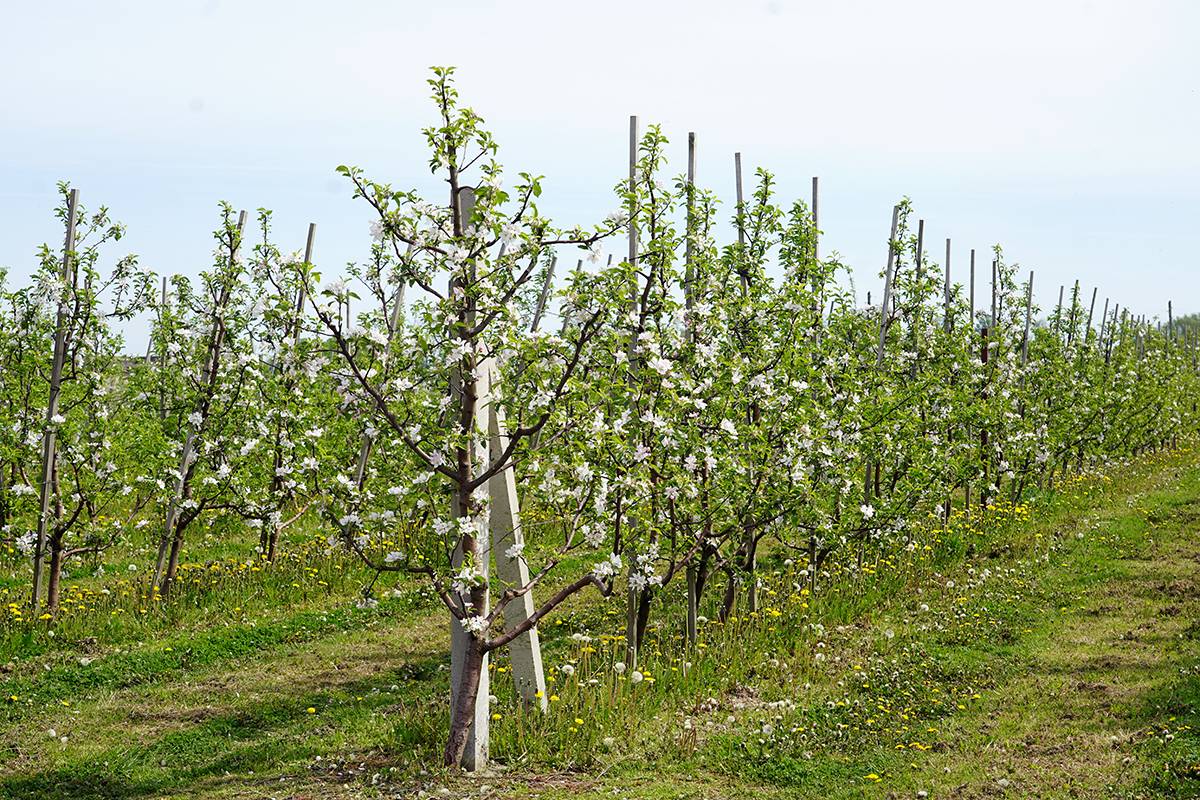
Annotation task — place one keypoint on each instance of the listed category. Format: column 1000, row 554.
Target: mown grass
column 809, row 697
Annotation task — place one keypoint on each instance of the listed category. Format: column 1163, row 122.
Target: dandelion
column 636, row 677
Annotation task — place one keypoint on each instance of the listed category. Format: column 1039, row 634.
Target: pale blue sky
column 1067, row 131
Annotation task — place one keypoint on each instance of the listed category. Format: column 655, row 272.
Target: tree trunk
column 692, row 602
column 643, row 615
column 730, row 595
column 3, row 495
column 462, row 710
column 168, row 578
column 54, row 579
column 752, row 574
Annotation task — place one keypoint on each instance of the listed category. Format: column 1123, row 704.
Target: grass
column 1042, row 654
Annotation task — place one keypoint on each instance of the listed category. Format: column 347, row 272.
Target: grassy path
column 1087, row 661
column 1095, row 678
column 1066, row 667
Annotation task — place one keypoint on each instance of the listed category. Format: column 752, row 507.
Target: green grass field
column 1045, row 651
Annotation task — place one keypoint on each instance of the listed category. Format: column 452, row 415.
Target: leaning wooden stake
column 1091, row 311
column 1103, row 326
column 162, row 305
column 301, row 298
column 49, row 436
column 508, row 544
column 871, row 466
column 887, row 288
column 545, row 294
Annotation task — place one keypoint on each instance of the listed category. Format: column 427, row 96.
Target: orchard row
column 613, row 427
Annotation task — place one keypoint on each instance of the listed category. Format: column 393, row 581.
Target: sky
column 1064, row 130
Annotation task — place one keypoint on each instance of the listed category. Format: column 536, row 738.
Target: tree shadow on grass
column 71, row 783
column 276, row 734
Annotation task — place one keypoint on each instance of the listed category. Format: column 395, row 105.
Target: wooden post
column 984, row 456
column 947, row 326
column 545, row 294
column 1112, row 333
column 995, row 267
column 1028, row 319
column 915, row 323
column 689, row 274
column 818, row 290
column 301, row 298
column 691, row 605
column 1091, row 311
column 475, row 755
column 887, row 288
column 816, row 219
column 741, row 217
column 689, row 300
column 633, row 151
column 631, row 626
column 508, row 542
column 49, row 435
column 163, row 305
column 631, row 595
column 972, row 317
column 1074, row 305
column 872, row 465
column 1103, row 326
column 1058, row 311
column 946, row 322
